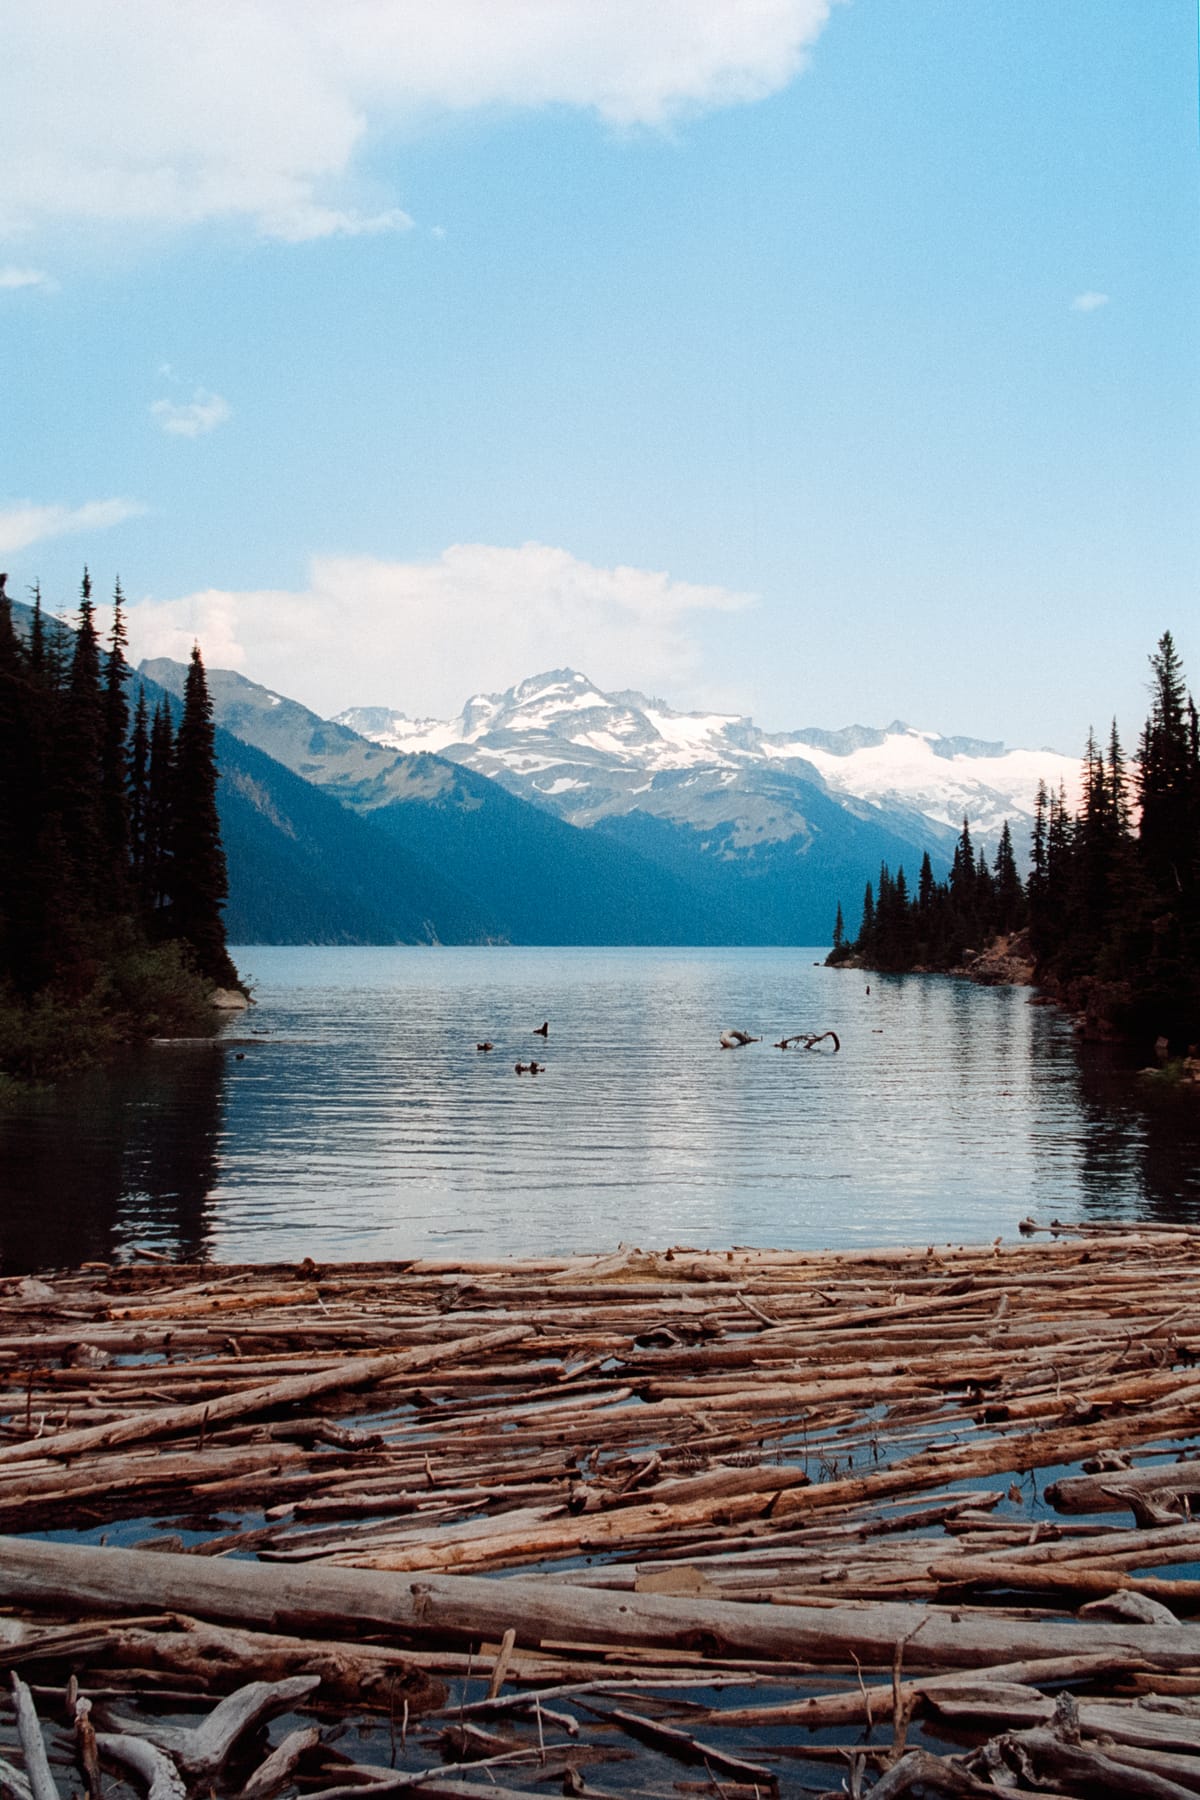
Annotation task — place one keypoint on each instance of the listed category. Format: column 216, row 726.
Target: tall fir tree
column 199, row 881
column 157, row 883
column 78, row 782
column 1009, row 896
column 139, row 770
column 114, row 756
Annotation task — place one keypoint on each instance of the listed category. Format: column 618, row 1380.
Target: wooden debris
column 822, row 1476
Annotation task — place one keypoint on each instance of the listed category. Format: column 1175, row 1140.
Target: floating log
column 468, row 1607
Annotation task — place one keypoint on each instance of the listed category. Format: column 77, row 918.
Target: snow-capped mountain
column 590, row 755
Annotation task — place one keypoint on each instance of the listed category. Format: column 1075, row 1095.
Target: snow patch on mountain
column 560, row 739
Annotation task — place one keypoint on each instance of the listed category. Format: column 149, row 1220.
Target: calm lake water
column 348, row 1115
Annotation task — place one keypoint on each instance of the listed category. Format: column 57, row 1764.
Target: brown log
column 177, row 1308
column 174, row 1421
column 1058, row 1578
column 276, row 1769
column 863, row 1704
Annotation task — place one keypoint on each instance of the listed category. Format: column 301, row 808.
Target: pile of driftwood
column 686, row 1522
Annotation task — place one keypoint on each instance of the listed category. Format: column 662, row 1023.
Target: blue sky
column 829, row 362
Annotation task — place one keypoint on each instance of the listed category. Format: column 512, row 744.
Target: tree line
column 1111, row 906
column 112, row 873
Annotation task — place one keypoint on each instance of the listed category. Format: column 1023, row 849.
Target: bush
column 142, row 992
column 51, row 1035
column 156, row 992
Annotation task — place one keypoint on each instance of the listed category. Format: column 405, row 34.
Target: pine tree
column 865, row 943
column 199, row 881
column 114, row 756
column 139, row 769
column 157, row 882
column 1010, row 898
column 1164, row 774
column 37, row 636
column 12, row 731
column 78, row 776
column 839, row 930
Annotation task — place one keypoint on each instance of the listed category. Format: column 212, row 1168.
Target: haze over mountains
column 557, row 814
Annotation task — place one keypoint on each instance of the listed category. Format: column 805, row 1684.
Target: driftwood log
column 539, row 1514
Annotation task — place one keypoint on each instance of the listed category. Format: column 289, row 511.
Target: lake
column 349, row 1115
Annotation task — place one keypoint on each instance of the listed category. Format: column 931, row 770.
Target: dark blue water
column 350, row 1115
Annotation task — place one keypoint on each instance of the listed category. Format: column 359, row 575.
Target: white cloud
column 192, row 418
column 1088, row 302
column 302, row 223
column 260, row 109
column 23, row 523
column 425, row 636
column 11, row 277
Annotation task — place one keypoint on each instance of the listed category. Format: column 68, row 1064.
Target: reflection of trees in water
column 1138, row 1138
column 121, row 1155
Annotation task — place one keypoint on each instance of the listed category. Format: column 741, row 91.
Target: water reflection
column 115, row 1157
column 361, row 1121
column 1137, row 1141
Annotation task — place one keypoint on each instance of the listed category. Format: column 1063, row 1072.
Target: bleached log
column 1124, row 1722
column 13, row 1783
column 1102, row 1774
column 1095, row 1493
column 1129, row 1605
column 315, row 1597
column 163, row 1780
column 33, row 1745
column 201, row 1750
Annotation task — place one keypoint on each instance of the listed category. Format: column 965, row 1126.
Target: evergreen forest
column 1110, row 912
column 112, row 872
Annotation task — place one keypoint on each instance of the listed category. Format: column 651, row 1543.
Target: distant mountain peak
column 557, row 738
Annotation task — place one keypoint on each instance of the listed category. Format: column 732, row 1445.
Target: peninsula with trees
column 112, row 871
column 1109, row 916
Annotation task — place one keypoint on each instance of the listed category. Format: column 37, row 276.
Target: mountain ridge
column 768, row 866
column 559, row 739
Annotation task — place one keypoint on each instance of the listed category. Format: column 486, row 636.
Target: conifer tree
column 199, row 881
column 114, row 755
column 157, row 884
column 37, row 636
column 139, row 769
column 78, row 776
column 12, row 728
column 866, row 930
column 1009, row 898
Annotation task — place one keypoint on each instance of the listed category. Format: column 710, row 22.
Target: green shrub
column 141, row 992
